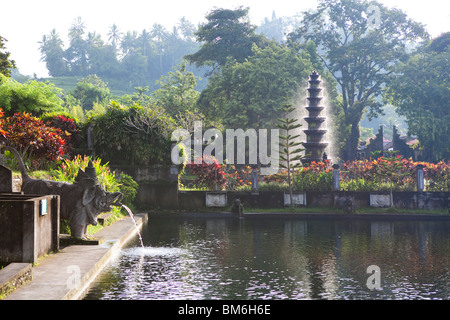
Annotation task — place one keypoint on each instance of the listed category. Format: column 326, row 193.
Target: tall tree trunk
column 352, row 142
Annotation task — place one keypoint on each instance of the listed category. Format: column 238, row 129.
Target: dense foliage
column 382, row 174
column 6, row 63
column 68, row 126
column 421, row 92
column 137, row 135
column 209, row 173
column 253, row 76
column 359, row 48
column 110, row 181
column 227, row 34
column 33, row 97
column 126, row 60
column 249, row 94
column 38, row 144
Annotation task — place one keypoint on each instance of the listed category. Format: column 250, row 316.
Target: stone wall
column 158, row 186
column 29, row 227
column 196, row 200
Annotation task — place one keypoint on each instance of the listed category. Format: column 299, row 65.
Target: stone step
column 104, row 217
column 14, row 276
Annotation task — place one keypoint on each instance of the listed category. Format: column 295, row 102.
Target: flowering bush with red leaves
column 237, row 176
column 3, row 133
column 37, row 142
column 399, row 172
column 317, row 176
column 68, row 127
column 209, row 172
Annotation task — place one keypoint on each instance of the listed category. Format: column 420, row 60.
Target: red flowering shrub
column 238, row 176
column 317, row 176
column 38, row 143
column 370, row 175
column 209, row 173
column 68, row 127
column 400, row 172
column 3, row 133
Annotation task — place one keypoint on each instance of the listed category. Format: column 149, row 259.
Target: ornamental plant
column 3, row 133
column 209, row 172
column 394, row 173
column 39, row 145
column 290, row 150
column 317, row 176
column 111, row 182
column 68, row 170
column 67, row 125
column 238, row 177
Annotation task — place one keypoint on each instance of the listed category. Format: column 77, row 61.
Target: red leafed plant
column 209, row 172
column 35, row 141
column 3, row 133
column 68, row 128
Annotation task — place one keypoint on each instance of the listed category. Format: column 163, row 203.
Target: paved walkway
column 67, row 275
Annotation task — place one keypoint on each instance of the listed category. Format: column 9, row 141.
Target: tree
column 76, row 54
column 33, row 97
column 159, row 33
column 187, row 29
column 134, row 135
column 177, row 94
column 90, row 90
column 228, row 33
column 5, row 62
column 421, row 92
column 290, row 153
column 52, row 53
column 114, row 35
column 248, row 94
column 359, row 42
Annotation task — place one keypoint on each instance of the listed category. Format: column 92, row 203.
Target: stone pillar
column 336, row 178
column 420, row 178
column 255, row 180
column 420, row 187
column 6, row 184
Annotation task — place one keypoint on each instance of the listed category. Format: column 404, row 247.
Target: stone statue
column 237, row 208
column 80, row 202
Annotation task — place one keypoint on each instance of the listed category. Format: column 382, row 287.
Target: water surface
column 280, row 259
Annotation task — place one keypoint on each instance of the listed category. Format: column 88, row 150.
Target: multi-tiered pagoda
column 315, row 134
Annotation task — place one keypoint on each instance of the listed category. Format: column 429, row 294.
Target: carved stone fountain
column 315, row 144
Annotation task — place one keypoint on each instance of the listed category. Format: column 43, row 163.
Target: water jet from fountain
column 130, row 213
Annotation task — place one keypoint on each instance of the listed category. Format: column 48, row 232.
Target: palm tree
column 128, row 43
column 114, row 35
column 76, row 31
column 173, row 43
column 52, row 52
column 144, row 41
column 94, row 40
column 159, row 33
column 187, row 29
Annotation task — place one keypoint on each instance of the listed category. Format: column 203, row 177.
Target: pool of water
column 281, row 259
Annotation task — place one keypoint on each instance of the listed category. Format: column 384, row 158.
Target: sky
column 24, row 22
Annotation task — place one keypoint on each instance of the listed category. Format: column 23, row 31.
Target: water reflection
column 287, row 259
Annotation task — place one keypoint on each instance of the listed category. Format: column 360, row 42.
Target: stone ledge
column 13, row 276
column 67, row 240
column 104, row 218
